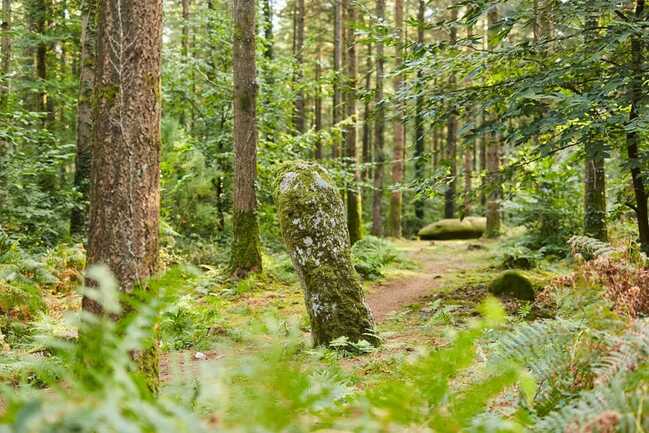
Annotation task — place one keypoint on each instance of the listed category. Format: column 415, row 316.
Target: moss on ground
column 512, row 283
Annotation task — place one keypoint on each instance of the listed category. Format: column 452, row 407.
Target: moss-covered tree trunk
column 312, row 219
column 245, row 254
column 396, row 198
column 79, row 215
column 354, row 212
column 125, row 186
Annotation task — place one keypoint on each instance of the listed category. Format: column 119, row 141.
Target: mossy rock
column 514, row 284
column 447, row 229
column 314, row 228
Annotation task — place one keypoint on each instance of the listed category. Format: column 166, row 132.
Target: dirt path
column 433, row 261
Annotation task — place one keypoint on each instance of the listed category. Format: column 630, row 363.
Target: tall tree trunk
column 300, row 115
column 594, row 169
column 469, row 150
column 268, row 74
column 366, row 154
column 398, row 127
column 246, row 256
column 354, row 213
column 5, row 45
column 268, row 30
column 79, row 216
column 483, row 164
column 633, row 138
column 318, row 100
column 420, row 164
column 379, row 128
column 125, row 188
column 184, row 51
column 338, row 60
column 493, row 146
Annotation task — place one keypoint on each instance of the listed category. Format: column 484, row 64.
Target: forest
column 290, row 216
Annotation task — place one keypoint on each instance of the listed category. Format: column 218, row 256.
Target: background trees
column 474, row 94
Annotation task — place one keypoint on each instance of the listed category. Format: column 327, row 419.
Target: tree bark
column 125, row 187
column 5, row 45
column 594, row 164
column 338, row 56
column 633, row 138
column 354, row 213
column 366, row 155
column 493, row 147
column 79, row 216
column 268, row 31
column 469, row 150
column 420, row 163
column 184, row 51
column 318, row 100
column 245, row 254
column 379, row 129
column 300, row 115
column 312, row 220
column 396, row 198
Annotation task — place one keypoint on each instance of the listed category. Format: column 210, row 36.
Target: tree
column 594, row 164
column 5, row 46
column 337, row 105
column 632, row 135
column 420, row 163
column 300, row 115
column 125, row 188
column 79, row 215
column 354, row 213
column 398, row 128
column 492, row 145
column 245, row 254
column 379, row 128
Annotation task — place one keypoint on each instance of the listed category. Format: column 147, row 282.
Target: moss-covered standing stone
column 313, row 224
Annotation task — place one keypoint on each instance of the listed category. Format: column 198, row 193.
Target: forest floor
column 415, row 304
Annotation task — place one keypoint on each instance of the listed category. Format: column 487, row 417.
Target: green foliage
column 516, row 256
column 371, row 255
column 547, row 208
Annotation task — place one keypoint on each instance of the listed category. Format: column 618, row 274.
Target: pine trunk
column 79, row 216
column 246, row 257
column 354, row 213
column 420, row 163
column 594, row 167
column 492, row 146
column 399, row 130
column 125, row 187
column 633, row 138
column 338, row 60
column 300, row 116
column 5, row 46
column 379, row 130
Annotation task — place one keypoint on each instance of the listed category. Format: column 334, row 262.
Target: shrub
column 371, row 254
